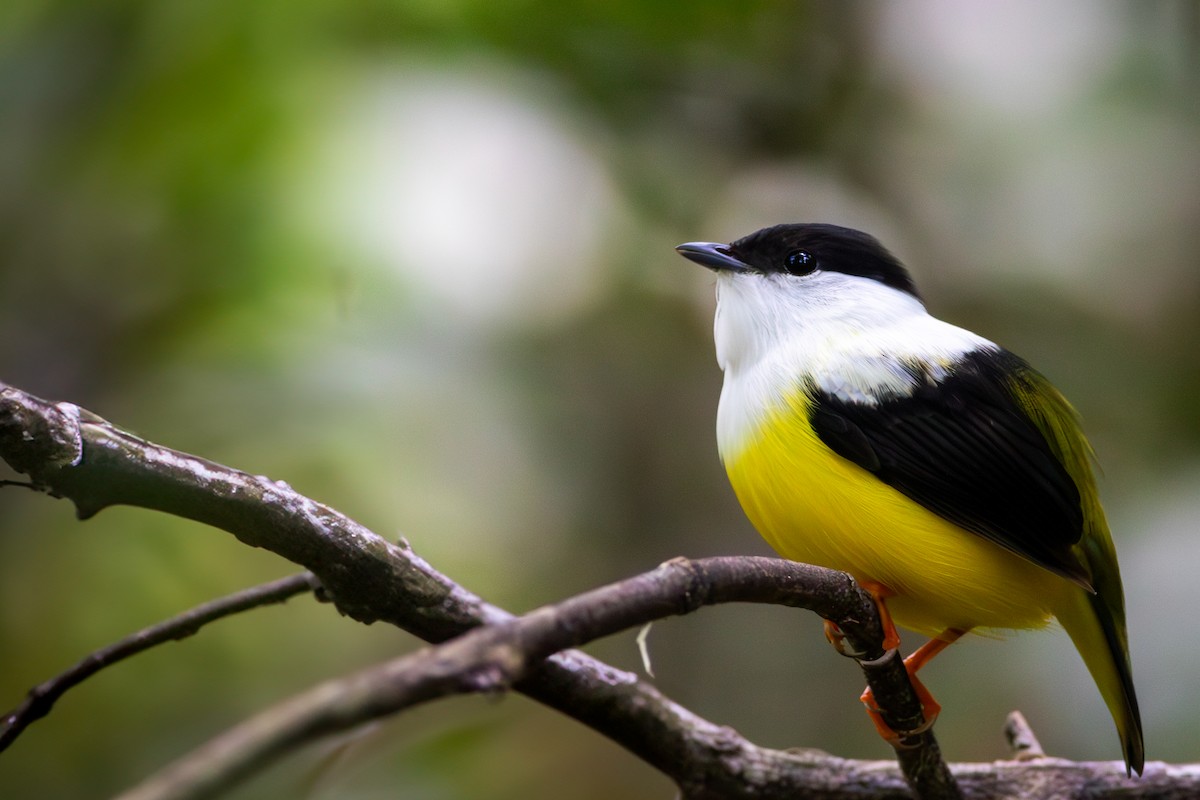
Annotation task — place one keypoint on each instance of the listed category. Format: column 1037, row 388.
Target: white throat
column 849, row 336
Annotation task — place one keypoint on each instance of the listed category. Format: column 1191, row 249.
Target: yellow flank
column 814, row 506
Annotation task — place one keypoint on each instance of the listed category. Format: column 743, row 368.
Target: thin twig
column 493, row 658
column 78, row 455
column 71, row 453
column 1021, row 738
column 41, row 698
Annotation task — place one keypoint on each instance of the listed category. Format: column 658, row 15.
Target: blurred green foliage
column 415, row 259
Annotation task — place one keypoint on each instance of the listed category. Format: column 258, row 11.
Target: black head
column 799, row 249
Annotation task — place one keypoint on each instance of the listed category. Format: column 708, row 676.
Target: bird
column 941, row 471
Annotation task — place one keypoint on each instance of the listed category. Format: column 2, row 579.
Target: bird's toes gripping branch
column 891, row 638
column 930, row 708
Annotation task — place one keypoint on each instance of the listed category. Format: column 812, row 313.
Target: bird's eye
column 799, row 262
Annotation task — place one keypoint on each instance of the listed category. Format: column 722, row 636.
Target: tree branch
column 71, row 453
column 1021, row 738
column 493, row 658
column 42, row 697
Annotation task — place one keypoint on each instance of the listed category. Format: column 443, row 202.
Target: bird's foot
column 838, row 639
column 930, row 709
column 891, row 638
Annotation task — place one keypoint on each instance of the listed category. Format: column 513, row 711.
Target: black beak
column 712, row 255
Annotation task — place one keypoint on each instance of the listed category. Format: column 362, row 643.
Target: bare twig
column 493, row 658
column 78, row 455
column 490, row 659
column 73, row 454
column 42, row 697
column 1021, row 739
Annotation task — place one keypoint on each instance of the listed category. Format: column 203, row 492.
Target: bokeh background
column 415, row 258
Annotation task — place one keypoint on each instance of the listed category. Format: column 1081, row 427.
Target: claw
column 930, row 708
column 838, row 639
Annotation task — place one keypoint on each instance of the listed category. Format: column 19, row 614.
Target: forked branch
column 70, row 453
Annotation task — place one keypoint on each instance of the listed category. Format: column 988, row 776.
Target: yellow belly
column 814, row 506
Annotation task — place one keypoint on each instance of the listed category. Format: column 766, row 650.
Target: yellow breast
column 814, row 506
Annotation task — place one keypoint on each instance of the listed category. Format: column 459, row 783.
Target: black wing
column 965, row 450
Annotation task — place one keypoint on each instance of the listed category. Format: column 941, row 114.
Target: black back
column 965, row 450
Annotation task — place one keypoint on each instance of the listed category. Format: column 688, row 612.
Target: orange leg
column 880, row 593
column 929, row 707
column 891, row 639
